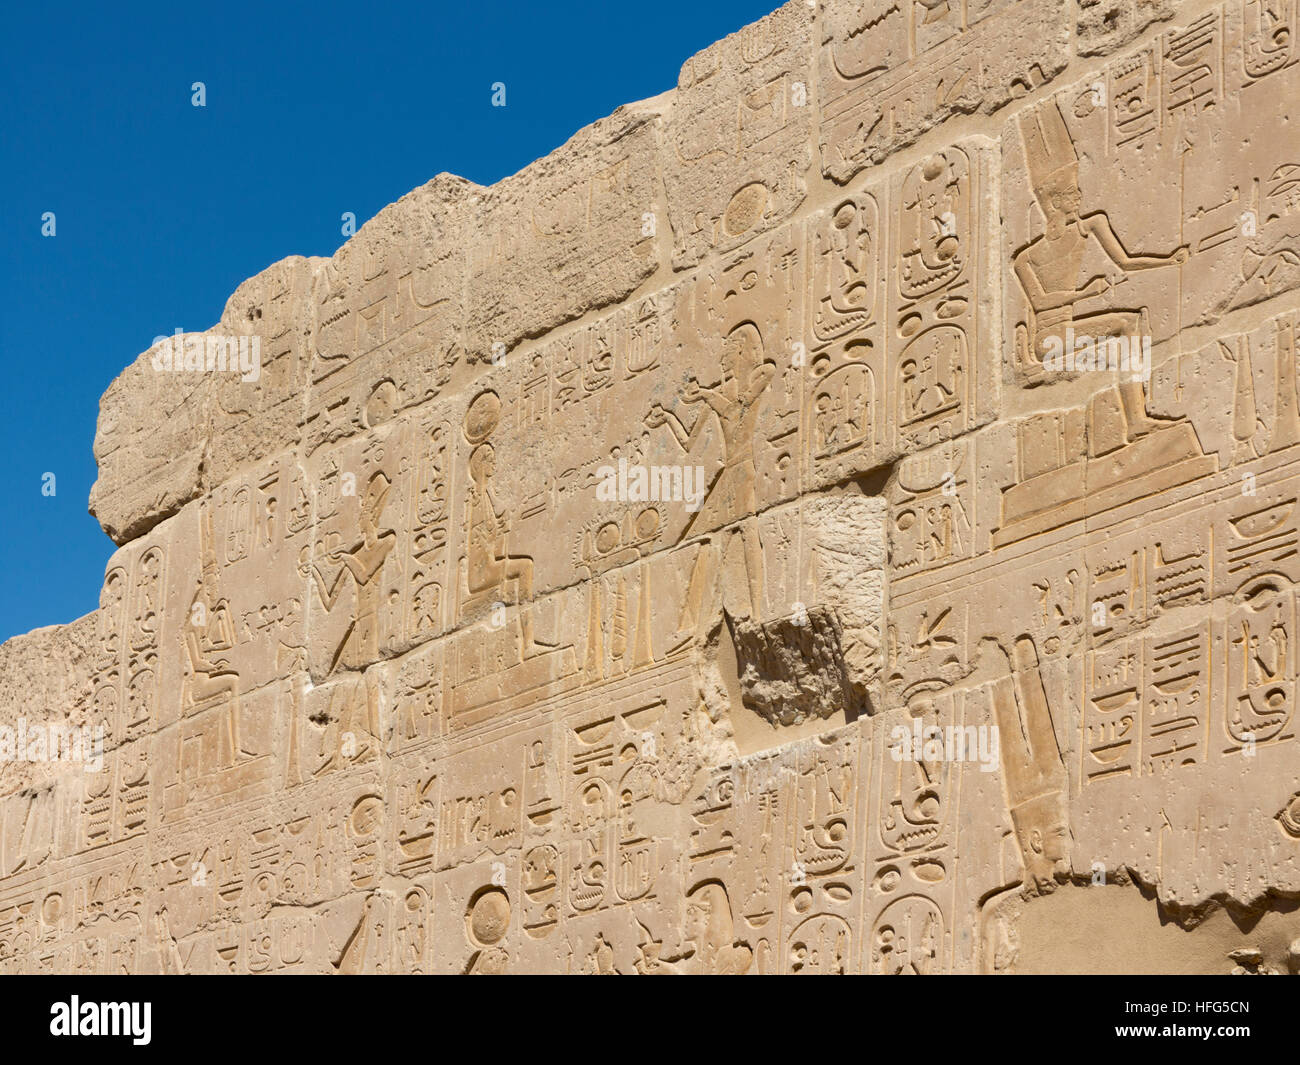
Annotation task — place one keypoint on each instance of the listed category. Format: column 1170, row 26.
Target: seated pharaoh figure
column 490, row 568
column 212, row 679
column 208, row 637
column 1049, row 267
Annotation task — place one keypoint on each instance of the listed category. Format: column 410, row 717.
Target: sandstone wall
column 388, row 683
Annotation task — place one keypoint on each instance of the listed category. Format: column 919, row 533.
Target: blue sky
column 162, row 208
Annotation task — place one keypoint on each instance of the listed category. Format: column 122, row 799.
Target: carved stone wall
column 568, row 589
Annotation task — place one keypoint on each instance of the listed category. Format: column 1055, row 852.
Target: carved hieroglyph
column 692, row 554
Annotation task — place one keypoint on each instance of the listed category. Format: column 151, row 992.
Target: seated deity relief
column 491, row 573
column 1049, row 267
column 1125, row 450
column 210, row 640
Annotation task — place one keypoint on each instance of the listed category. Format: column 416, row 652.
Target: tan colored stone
column 565, row 235
column 1105, row 25
column 889, row 70
column 738, row 137
column 684, row 557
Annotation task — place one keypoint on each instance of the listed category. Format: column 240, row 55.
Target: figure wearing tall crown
column 1049, row 267
column 1033, row 771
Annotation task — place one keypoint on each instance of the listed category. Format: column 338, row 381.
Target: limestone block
column 1102, row 26
column 565, row 235
column 888, row 71
column 388, row 314
column 738, row 137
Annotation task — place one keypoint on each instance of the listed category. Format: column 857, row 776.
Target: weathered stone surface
column 388, row 313
column 889, row 70
column 739, row 135
column 694, row 553
column 1105, row 25
column 566, row 235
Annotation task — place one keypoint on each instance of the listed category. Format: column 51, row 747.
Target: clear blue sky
column 162, row 208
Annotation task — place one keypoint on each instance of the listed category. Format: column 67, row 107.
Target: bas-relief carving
column 395, row 684
column 889, row 70
column 740, row 135
column 388, row 315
